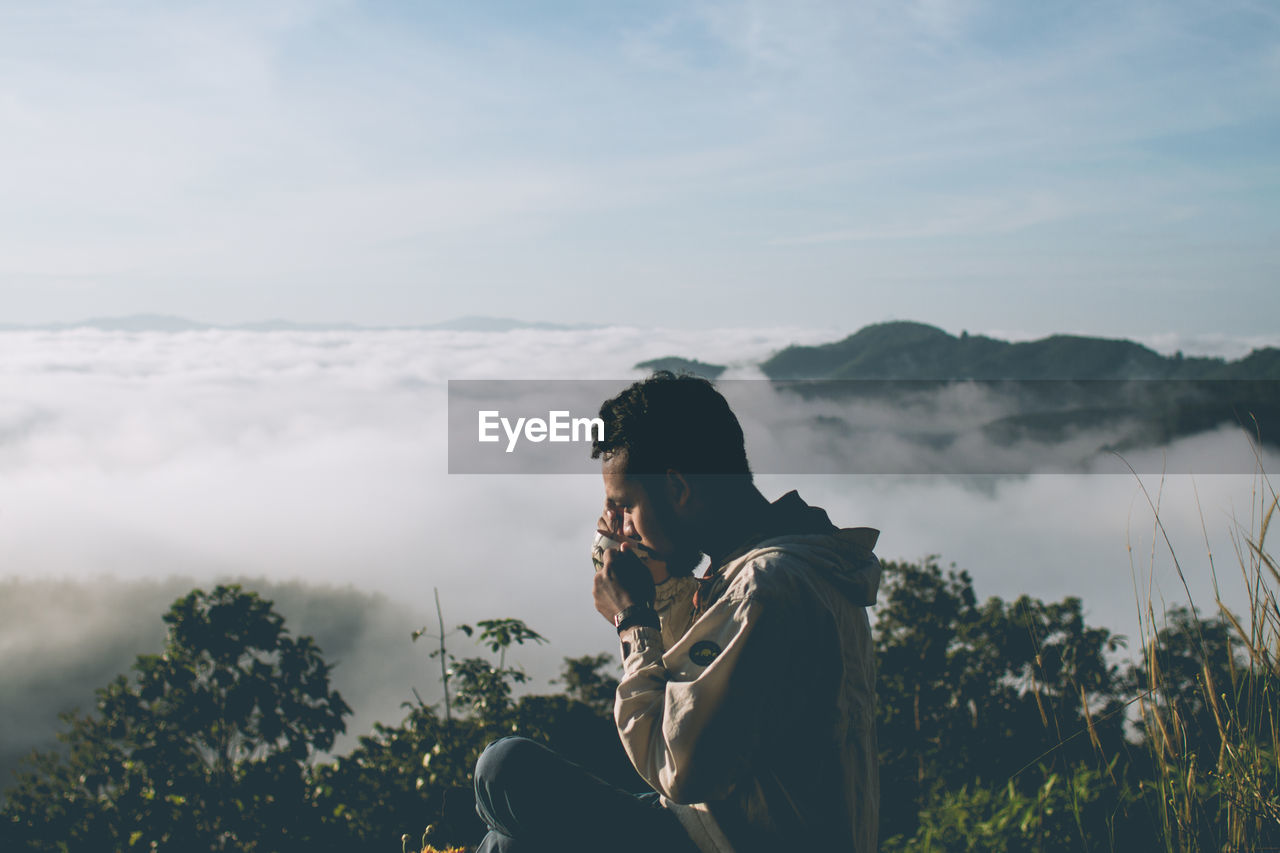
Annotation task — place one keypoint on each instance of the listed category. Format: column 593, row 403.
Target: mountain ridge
column 910, row 350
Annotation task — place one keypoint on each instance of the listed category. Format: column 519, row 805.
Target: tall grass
column 1213, row 738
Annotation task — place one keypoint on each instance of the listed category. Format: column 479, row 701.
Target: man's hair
column 669, row 421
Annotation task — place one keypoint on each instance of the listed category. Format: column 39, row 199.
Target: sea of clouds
column 135, row 465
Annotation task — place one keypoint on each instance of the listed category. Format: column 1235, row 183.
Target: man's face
column 648, row 514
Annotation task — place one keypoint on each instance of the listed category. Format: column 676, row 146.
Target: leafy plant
column 1210, row 692
column 207, row 746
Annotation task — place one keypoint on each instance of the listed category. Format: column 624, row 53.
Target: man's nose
column 628, row 528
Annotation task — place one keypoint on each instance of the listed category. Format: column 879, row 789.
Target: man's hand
column 622, row 582
column 611, row 524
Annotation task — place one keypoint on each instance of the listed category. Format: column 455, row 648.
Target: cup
column 651, row 559
column 601, row 544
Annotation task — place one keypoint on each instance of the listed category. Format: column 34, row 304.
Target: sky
column 710, row 179
column 1106, row 168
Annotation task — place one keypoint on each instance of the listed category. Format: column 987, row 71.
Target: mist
column 134, row 466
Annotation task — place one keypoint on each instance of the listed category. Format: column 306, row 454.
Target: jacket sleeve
column 692, row 729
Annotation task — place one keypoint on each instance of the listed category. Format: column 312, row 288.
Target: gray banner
column 888, row 427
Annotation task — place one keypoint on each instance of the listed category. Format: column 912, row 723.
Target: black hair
column 674, row 422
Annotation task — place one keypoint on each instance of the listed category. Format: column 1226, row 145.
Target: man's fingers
column 624, row 568
column 623, row 557
column 618, row 565
column 612, row 593
column 608, row 522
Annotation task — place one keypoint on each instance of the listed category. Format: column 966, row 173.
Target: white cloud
column 320, row 457
column 1220, row 345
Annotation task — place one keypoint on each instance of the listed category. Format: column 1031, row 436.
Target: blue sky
column 1097, row 167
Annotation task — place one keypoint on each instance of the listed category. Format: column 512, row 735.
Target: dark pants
column 533, row 800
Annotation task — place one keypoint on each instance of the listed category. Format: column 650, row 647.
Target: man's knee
column 510, row 769
column 504, row 758
column 506, row 780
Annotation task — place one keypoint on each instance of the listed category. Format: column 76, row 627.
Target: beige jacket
column 757, row 726
column 673, row 602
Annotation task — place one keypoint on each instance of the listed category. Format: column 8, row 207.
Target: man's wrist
column 636, row 615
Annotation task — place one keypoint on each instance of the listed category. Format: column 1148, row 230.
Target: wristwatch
column 636, row 614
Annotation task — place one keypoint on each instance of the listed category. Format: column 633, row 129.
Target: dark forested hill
column 1046, row 390
column 904, row 350
column 683, row 365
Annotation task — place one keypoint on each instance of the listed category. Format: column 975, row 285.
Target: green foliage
column 584, row 679
column 485, row 687
column 1001, row 727
column 502, row 634
column 207, row 746
column 972, row 694
column 482, row 685
column 418, row 773
column 399, row 777
column 1189, row 660
column 1063, row 812
column 1211, row 689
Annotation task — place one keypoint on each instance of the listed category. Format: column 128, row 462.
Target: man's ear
column 678, row 490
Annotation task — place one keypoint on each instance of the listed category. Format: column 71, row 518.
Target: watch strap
column 636, row 615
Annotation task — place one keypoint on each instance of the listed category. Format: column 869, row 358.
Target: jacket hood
column 858, row 575
column 842, row 555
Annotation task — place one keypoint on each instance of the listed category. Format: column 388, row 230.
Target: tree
column 586, row 681
column 483, row 686
column 1209, row 726
column 487, row 688
column 1186, row 668
column 975, row 694
column 207, row 746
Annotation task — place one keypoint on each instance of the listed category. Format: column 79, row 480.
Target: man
column 756, row 728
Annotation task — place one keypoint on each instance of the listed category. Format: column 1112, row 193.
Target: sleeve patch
column 704, row 652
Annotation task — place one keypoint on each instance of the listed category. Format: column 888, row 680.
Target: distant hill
column 502, row 324
column 144, row 323
column 1055, row 387
column 129, row 323
column 677, row 365
column 904, row 350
